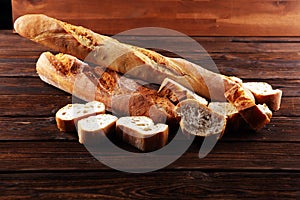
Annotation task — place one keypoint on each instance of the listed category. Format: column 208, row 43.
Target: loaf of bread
column 142, row 133
column 69, row 115
column 91, row 130
column 176, row 92
column 138, row 63
column 264, row 93
column 197, row 119
column 119, row 94
column 126, row 59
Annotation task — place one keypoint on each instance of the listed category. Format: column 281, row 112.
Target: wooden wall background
column 192, row 17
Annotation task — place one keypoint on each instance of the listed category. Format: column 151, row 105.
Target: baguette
column 68, row 116
column 142, row 133
column 197, row 119
column 93, row 128
column 120, row 95
column 130, row 60
column 126, row 59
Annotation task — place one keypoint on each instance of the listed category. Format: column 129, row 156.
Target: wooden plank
column 31, row 105
column 281, row 129
column 157, row 185
column 70, row 155
column 29, row 129
column 214, row 17
column 27, row 86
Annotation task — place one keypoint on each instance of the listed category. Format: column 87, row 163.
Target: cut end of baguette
column 197, row 119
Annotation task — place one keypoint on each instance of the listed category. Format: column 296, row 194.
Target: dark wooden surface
column 192, row 17
column 39, row 162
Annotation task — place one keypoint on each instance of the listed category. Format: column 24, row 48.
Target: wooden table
column 39, row 162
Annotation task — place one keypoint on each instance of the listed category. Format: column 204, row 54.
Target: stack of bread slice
column 185, row 90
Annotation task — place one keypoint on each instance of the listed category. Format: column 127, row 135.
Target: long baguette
column 106, row 51
column 120, row 95
column 126, row 59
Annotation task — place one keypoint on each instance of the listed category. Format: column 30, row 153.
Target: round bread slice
column 142, row 133
column 198, row 119
column 67, row 117
column 91, row 130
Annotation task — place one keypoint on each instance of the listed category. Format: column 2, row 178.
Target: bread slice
column 142, row 133
column 234, row 119
column 91, row 130
column 255, row 116
column 198, row 119
column 68, row 116
column 176, row 92
column 264, row 93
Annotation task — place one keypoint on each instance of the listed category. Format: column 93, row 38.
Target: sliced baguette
column 91, row 130
column 255, row 116
column 142, row 133
column 197, row 119
column 264, row 93
column 68, row 116
column 176, row 92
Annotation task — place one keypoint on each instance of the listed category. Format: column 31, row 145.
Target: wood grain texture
column 70, row 155
column 181, row 185
column 39, row 162
column 204, row 17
